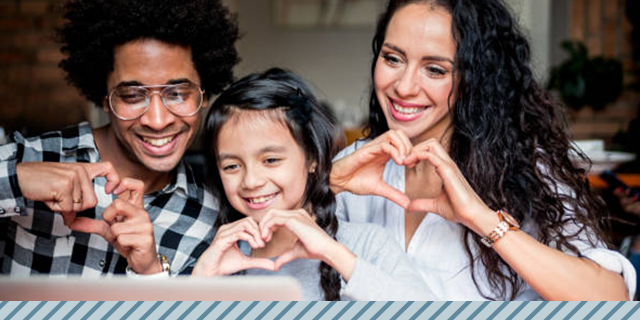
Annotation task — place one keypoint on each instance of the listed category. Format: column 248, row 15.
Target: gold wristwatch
column 166, row 267
column 507, row 222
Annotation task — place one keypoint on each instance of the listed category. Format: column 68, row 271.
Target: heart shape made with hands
column 456, row 200
column 290, row 247
column 367, row 165
column 295, row 231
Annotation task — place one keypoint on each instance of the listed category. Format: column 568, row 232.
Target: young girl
column 271, row 146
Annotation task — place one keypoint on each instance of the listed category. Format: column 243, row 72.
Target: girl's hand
column 224, row 257
column 312, row 243
column 457, row 202
column 361, row 172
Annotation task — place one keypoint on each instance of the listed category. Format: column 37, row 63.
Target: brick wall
column 604, row 28
column 34, row 97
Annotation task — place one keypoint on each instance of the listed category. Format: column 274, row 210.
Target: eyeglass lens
column 130, row 102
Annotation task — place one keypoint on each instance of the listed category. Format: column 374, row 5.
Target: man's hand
column 127, row 227
column 65, row 187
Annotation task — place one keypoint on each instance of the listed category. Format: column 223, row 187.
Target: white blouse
column 437, row 247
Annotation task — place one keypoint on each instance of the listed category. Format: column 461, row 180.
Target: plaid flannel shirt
column 34, row 239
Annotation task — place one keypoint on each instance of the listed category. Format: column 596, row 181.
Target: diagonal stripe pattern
column 288, row 310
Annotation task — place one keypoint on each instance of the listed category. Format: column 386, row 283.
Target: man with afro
column 120, row 198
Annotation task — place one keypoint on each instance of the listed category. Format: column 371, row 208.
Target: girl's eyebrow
column 273, row 149
column 225, row 156
column 425, row 58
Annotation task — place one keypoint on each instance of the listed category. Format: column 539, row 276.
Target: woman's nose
column 407, row 84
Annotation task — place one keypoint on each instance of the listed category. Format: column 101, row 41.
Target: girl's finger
column 251, row 226
column 258, row 263
column 297, row 252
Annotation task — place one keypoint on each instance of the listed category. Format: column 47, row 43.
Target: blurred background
column 328, row 43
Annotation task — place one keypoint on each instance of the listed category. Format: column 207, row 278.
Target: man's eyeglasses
column 131, row 102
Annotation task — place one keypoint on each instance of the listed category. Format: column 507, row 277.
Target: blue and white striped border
column 317, row 310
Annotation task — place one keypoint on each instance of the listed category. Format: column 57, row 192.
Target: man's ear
column 105, row 105
column 205, row 100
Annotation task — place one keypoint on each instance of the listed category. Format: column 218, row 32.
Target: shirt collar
column 184, row 181
column 78, row 137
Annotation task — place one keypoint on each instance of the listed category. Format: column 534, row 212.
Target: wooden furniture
column 631, row 179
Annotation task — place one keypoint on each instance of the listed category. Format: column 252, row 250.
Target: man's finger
column 68, row 217
column 77, row 193
column 87, row 197
column 89, row 225
column 136, row 191
column 104, row 169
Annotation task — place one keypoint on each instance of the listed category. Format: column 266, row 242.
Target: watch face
column 509, row 219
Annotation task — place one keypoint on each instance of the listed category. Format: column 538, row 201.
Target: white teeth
column 405, row 110
column 261, row 199
column 157, row 142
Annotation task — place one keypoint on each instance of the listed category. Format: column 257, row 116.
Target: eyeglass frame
column 153, row 92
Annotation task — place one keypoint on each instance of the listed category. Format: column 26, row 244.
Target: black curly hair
column 508, row 136
column 93, row 28
column 312, row 125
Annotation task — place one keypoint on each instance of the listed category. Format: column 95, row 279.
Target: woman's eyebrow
column 425, row 58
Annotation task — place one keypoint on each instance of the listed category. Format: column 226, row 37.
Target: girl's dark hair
column 93, row 28
column 508, row 137
column 311, row 124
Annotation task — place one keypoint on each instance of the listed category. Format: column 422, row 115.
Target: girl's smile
column 261, row 165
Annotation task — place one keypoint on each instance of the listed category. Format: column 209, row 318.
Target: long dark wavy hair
column 311, row 124
column 508, row 137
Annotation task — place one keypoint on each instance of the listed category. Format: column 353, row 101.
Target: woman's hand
column 312, row 243
column 457, row 202
column 361, row 172
column 224, row 257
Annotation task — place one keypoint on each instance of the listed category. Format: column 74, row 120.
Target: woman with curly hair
column 475, row 157
column 274, row 195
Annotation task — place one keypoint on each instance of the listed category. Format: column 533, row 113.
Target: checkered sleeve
column 11, row 201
